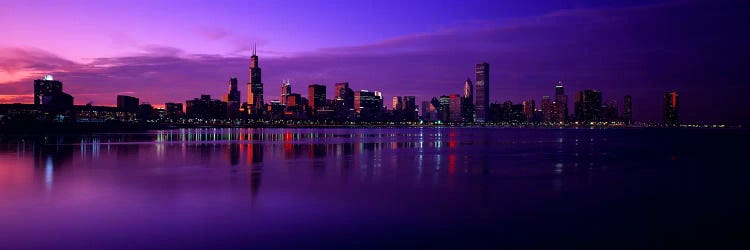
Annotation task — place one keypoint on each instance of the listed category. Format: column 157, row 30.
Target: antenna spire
column 254, row 48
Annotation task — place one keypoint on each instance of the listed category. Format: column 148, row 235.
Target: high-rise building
column 547, row 109
column 316, row 95
column 467, row 106
column 46, row 87
column 672, row 108
column 454, row 108
column 560, row 113
column 627, row 113
column 286, row 89
column 48, row 92
column 482, row 96
column 232, row 98
column 255, row 87
column 444, row 109
column 338, row 87
column 343, row 93
column 434, row 112
column 368, row 104
column 127, row 103
column 397, row 103
column 588, row 106
column 410, row 108
column 468, row 91
column 610, row 111
column 424, row 110
column 528, row 109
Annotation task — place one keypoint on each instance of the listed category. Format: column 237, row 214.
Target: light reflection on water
column 241, row 186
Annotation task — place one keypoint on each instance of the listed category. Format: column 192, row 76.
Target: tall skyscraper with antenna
column 255, row 86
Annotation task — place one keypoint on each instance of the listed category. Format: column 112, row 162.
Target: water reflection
column 416, row 153
column 245, row 186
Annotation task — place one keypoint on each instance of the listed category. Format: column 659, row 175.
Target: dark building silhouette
column 482, row 96
column 46, row 87
column 316, row 96
column 344, row 100
column 49, row 92
column 444, row 110
column 145, row 112
column 454, row 108
column 588, row 106
column 610, row 111
column 467, row 106
column 398, row 103
column 560, row 113
column 338, row 88
column 672, row 108
column 127, row 103
column 174, row 111
column 295, row 106
column 255, row 87
column 547, row 109
column 627, row 113
column 369, row 105
column 232, row 98
column 528, row 109
column 275, row 110
column 410, row 108
column 205, row 108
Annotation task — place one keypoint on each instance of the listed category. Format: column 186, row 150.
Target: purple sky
column 162, row 51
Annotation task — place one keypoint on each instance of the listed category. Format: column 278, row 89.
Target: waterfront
column 372, row 188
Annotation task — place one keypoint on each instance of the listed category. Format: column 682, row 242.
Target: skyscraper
column 672, row 108
column 343, row 93
column 467, row 105
column 232, row 98
column 454, row 106
column 610, row 111
column 338, row 87
column 627, row 113
column 561, row 104
column 410, row 108
column 255, row 87
column 444, row 109
column 469, row 91
column 48, row 92
column 45, row 87
column 368, row 104
column 547, row 108
column 482, row 96
column 424, row 110
column 286, row 89
column 528, row 109
column 588, row 106
column 397, row 103
column 316, row 94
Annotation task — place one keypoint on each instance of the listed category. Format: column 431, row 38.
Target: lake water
column 406, row 188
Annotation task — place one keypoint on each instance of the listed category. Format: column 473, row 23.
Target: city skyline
column 160, row 73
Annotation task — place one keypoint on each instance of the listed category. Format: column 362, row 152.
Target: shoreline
column 116, row 127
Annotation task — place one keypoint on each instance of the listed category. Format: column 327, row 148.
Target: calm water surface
column 373, row 188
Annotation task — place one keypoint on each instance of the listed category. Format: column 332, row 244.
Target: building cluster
column 346, row 105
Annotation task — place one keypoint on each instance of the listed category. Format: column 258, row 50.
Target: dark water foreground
column 375, row 188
